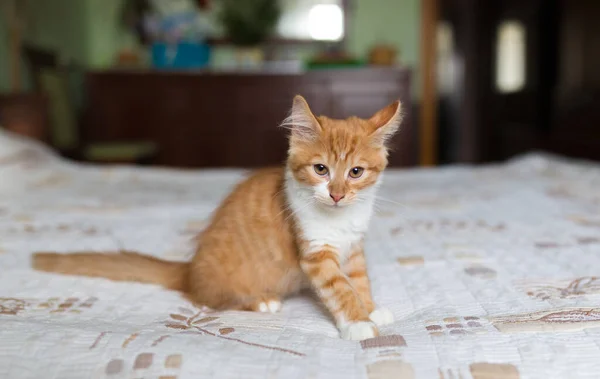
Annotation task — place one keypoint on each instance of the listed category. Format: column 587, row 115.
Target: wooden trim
column 428, row 132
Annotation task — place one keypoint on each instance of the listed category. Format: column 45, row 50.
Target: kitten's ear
column 301, row 121
column 386, row 122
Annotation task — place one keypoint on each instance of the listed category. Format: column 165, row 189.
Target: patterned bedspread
column 490, row 271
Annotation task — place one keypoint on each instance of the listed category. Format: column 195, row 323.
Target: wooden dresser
column 230, row 120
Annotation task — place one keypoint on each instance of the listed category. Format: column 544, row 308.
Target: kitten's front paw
column 381, row 316
column 359, row 331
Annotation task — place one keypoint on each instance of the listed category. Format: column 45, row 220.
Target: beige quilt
column 490, row 271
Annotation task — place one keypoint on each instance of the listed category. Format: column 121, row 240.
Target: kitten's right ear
column 386, row 122
column 301, row 121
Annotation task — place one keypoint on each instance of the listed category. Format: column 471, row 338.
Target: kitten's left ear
column 386, row 122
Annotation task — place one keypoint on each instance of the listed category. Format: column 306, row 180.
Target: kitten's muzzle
column 336, row 197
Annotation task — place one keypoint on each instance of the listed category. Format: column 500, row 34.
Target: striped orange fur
column 280, row 230
column 356, row 269
column 334, row 288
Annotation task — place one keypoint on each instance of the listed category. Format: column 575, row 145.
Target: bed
column 490, row 271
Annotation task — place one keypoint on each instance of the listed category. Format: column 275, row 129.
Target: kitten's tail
column 126, row 267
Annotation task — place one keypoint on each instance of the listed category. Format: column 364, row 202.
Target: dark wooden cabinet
column 230, row 120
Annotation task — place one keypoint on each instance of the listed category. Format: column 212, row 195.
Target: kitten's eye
column 356, row 172
column 321, row 169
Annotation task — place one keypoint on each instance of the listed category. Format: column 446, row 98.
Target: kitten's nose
column 336, row 197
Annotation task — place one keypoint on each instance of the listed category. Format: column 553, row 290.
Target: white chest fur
column 340, row 228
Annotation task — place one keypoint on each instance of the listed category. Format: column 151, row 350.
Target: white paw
column 272, row 306
column 381, row 316
column 358, row 331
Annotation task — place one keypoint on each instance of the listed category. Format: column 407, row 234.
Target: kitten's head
column 339, row 160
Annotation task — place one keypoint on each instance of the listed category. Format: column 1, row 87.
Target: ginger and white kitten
column 281, row 229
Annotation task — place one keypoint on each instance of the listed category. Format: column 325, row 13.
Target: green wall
column 89, row 30
column 105, row 34
column 396, row 22
column 59, row 25
column 55, row 24
column 392, row 21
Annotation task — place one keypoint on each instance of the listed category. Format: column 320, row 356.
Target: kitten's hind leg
column 264, row 304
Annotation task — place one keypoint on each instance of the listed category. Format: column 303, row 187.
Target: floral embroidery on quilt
column 201, row 323
column 587, row 285
column 390, row 368
column 11, row 306
column 447, row 225
column 146, row 364
column 53, row 305
column 453, row 326
column 568, row 319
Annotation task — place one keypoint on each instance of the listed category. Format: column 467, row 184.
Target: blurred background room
column 204, row 83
